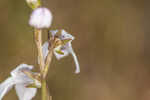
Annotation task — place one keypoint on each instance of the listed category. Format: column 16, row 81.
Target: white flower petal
column 19, row 77
column 76, row 62
column 70, row 50
column 53, row 32
column 24, row 93
column 58, row 56
column 17, row 71
column 6, row 86
column 66, row 35
column 45, row 49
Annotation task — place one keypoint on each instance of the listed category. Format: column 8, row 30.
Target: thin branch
column 49, row 57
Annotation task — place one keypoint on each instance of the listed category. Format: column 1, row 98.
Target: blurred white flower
column 32, row 1
column 20, row 81
column 41, row 18
column 62, row 50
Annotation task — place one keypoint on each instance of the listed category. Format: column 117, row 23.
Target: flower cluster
column 22, row 77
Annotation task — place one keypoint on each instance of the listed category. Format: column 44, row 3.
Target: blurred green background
column 112, row 44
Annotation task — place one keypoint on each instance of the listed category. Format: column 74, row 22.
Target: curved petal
column 53, row 32
column 18, row 71
column 76, row 62
column 71, row 51
column 6, row 86
column 44, row 51
column 24, row 93
column 66, row 35
column 19, row 77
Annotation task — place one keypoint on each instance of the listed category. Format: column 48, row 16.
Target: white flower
column 65, row 49
column 41, row 18
column 19, row 80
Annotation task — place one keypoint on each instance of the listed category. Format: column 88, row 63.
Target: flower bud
column 41, row 18
column 33, row 3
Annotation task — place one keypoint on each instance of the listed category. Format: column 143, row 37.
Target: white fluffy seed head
column 41, row 18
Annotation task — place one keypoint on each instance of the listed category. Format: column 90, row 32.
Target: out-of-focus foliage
column 112, row 44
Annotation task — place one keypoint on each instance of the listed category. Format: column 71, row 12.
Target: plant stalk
column 44, row 90
column 44, row 65
column 48, row 60
column 38, row 41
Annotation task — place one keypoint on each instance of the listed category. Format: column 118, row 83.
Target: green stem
column 44, row 90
